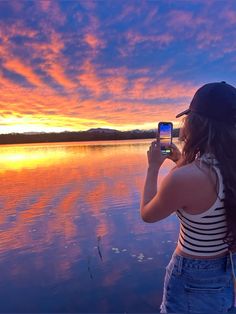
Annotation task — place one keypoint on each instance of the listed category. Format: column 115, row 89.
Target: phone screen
column 165, row 133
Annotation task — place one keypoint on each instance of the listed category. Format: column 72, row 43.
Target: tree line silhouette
column 21, row 138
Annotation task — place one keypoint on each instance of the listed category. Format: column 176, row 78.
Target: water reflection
column 71, row 234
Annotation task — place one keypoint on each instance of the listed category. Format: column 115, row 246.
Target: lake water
column 72, row 239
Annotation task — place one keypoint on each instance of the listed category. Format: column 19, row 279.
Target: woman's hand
column 155, row 157
column 175, row 153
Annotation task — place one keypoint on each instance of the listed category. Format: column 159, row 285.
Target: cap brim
column 182, row 113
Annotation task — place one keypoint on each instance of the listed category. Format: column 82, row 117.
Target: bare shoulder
column 189, row 175
column 182, row 180
column 195, row 186
column 185, row 171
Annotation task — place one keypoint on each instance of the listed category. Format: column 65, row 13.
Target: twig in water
column 89, row 270
column 99, row 250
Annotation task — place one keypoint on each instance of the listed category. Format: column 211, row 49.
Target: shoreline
column 85, row 136
column 80, row 142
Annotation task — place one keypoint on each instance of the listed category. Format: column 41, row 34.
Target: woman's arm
column 170, row 196
column 155, row 160
column 156, row 206
column 150, row 186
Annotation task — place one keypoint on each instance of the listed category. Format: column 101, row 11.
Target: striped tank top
column 202, row 234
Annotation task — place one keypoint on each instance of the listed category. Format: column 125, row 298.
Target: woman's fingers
column 155, row 144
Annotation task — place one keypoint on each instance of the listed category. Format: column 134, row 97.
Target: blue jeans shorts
column 199, row 285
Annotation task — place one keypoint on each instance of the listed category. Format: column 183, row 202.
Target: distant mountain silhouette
column 95, row 134
column 30, row 133
column 103, row 130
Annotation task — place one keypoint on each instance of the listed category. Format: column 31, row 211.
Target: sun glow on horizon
column 21, row 129
column 57, row 124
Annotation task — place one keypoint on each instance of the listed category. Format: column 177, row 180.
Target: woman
column 201, row 190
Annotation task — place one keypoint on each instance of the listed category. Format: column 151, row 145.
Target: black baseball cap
column 214, row 100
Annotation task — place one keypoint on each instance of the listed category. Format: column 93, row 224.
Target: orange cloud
column 92, row 83
column 116, row 85
column 93, row 41
column 58, row 74
column 43, row 108
column 138, row 88
column 17, row 66
column 46, row 110
column 89, row 79
column 167, row 88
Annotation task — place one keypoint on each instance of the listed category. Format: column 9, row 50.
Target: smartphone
column 165, row 131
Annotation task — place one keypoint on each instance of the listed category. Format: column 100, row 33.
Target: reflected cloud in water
column 70, row 226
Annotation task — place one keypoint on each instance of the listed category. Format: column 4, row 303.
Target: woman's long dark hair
column 203, row 135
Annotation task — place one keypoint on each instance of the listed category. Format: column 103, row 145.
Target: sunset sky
column 76, row 65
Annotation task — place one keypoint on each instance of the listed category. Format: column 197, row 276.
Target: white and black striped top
column 202, row 234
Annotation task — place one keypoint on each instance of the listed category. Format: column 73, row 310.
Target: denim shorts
column 199, row 285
